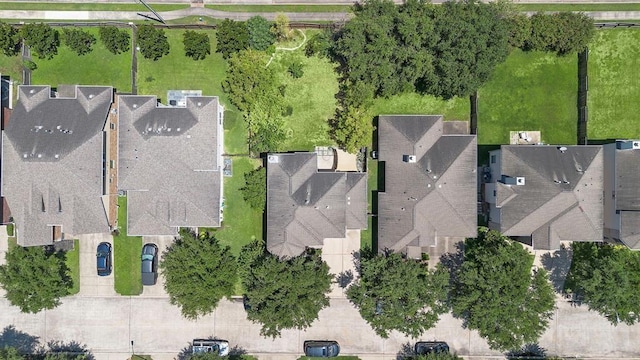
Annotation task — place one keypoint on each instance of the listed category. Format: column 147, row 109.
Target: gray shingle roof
column 627, row 180
column 630, row 228
column 52, row 163
column 306, row 206
column 169, row 163
column 561, row 199
column 431, row 197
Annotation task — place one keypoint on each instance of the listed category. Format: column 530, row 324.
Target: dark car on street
column 103, row 259
column 149, row 264
column 321, row 348
column 431, row 347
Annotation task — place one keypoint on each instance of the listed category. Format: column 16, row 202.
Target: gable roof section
column 52, row 162
column 561, row 199
column 306, row 206
column 168, row 162
column 434, row 196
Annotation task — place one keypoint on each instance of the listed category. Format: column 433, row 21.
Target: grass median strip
column 281, row 8
column 126, row 256
column 72, row 260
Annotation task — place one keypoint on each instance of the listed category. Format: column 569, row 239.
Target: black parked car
column 428, row 347
column 103, row 259
column 149, row 264
column 321, row 348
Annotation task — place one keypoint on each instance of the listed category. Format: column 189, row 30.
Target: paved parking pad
column 338, row 254
column 90, row 283
column 162, row 242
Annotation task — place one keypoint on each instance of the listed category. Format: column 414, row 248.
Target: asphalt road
column 107, row 325
column 177, row 14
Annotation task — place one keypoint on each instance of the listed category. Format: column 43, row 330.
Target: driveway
column 90, row 283
column 338, row 254
column 162, row 242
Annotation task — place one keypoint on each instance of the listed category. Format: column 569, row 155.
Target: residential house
column 622, row 193
column 544, row 195
column 52, row 162
column 306, row 205
column 170, row 163
column 427, row 200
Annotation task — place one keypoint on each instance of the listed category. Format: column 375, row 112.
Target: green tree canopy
column 399, row 294
column 281, row 28
column 232, row 36
column 386, row 46
column 607, row 278
column 254, row 89
column 153, row 42
column 9, row 39
column 472, row 41
column 260, row 35
column 496, row 293
column 286, row 293
column 254, row 191
column 115, row 40
column 78, row 40
column 196, row 44
column 198, row 272
column 563, row 33
column 42, row 39
column 34, row 278
column 351, row 126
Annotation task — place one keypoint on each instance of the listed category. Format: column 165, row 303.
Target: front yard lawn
column 126, row 256
column 72, row 259
column 99, row 67
column 530, row 91
column 614, row 84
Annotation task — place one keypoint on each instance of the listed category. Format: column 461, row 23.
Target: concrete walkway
column 178, row 14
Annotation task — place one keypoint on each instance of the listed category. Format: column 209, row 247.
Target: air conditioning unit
column 635, row 145
column 272, row 159
column 520, row 180
column 409, row 158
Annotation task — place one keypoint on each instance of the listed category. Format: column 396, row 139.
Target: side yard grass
column 99, row 67
column 281, row 8
column 126, row 256
column 72, row 259
column 614, row 84
column 530, row 91
column 368, row 237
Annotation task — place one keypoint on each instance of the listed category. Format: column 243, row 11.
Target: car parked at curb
column 201, row 346
column 431, row 347
column 149, row 264
column 103, row 259
column 321, row 348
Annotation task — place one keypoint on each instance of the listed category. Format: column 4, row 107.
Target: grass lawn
column 530, row 91
column 310, row 100
column 126, row 256
column 72, row 259
column 367, row 236
column 99, row 67
column 281, row 8
column 87, row 6
column 614, row 84
column 11, row 66
column 241, row 224
column 412, row 103
column 178, row 72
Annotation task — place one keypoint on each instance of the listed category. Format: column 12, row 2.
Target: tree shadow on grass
column 23, row 342
column 558, row 265
column 70, row 348
column 529, row 351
